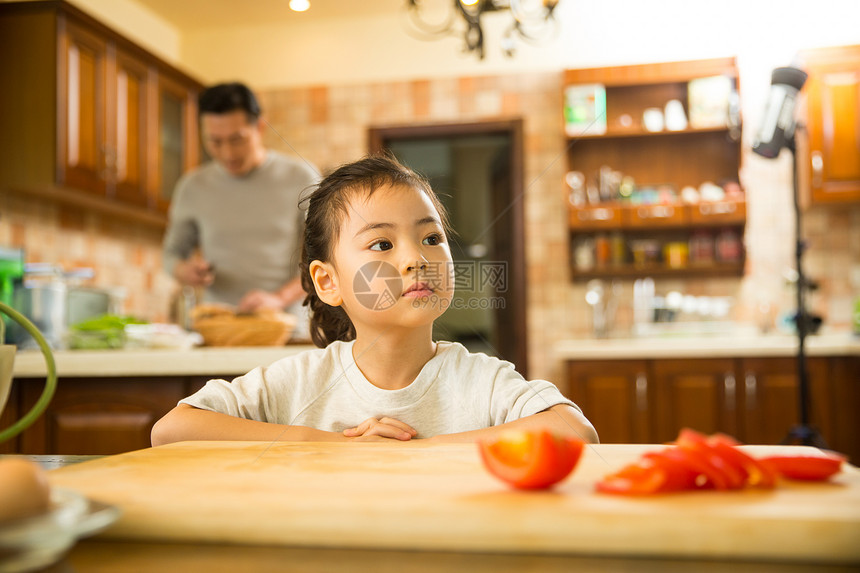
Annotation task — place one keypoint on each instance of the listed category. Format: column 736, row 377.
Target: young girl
column 377, row 268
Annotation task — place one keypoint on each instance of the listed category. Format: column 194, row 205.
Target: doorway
column 476, row 169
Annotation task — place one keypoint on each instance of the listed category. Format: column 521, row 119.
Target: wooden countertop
column 202, row 361
column 205, row 361
column 718, row 346
column 438, row 497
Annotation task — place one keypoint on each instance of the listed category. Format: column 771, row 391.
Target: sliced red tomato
column 531, row 459
column 642, row 478
column 757, row 474
column 723, row 472
column 806, row 468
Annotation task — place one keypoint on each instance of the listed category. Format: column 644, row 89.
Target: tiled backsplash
column 328, row 126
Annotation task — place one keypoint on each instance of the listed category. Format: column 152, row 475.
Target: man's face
column 232, row 141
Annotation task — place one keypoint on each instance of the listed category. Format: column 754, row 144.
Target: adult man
column 235, row 224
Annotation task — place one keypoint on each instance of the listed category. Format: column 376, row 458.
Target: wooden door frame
column 515, row 347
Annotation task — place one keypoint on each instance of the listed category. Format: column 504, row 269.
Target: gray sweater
column 247, row 227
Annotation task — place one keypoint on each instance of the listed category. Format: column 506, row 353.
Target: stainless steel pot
column 45, row 304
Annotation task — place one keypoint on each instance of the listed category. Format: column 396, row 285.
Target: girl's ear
column 325, row 283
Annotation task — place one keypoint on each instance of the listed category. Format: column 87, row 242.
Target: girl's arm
column 560, row 419
column 186, row 422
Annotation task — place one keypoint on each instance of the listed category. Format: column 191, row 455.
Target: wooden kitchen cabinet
column 770, row 398
column 752, row 399
column 89, row 115
column 176, row 147
column 615, row 396
column 654, row 160
column 9, row 416
column 699, row 394
column 99, row 415
column 832, row 119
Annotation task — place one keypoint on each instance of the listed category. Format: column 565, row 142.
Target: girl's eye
column 433, row 240
column 381, row 245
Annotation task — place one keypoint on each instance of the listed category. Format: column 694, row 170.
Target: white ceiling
column 187, row 15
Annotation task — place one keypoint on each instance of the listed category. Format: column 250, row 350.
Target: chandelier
column 533, row 21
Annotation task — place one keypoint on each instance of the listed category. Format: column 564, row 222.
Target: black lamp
column 777, row 131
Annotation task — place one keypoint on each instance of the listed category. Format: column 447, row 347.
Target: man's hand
column 260, row 300
column 196, row 272
column 382, row 428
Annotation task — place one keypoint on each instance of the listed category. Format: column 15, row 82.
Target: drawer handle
column 751, row 389
column 717, row 208
column 729, row 390
column 817, row 168
column 658, row 212
column 641, row 392
column 595, row 215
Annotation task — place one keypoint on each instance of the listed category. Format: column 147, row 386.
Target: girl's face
column 391, row 265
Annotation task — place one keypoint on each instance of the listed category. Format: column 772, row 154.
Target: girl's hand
column 384, row 428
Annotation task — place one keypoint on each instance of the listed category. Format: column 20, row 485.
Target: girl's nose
column 415, row 261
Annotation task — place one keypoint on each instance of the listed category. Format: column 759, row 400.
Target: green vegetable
column 101, row 332
column 107, row 322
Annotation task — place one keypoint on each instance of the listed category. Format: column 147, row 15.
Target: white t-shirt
column 456, row 391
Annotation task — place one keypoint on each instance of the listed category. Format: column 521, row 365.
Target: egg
column 24, row 489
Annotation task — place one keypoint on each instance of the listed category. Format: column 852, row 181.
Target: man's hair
column 224, row 98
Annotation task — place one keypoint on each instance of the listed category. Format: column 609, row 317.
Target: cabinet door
column 99, row 416
column 700, row 394
column 844, row 377
column 770, row 398
column 176, row 143
column 131, row 112
column 9, row 414
column 615, row 396
column 833, row 121
column 82, row 99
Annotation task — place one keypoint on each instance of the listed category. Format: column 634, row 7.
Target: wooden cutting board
column 439, row 497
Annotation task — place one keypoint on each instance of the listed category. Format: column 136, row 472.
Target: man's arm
column 285, row 296
column 561, row 419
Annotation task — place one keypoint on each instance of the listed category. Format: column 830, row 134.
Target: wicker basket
column 219, row 326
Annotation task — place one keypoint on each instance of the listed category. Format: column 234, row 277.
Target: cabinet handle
column 729, row 390
column 658, row 212
column 750, row 389
column 817, row 168
column 595, row 215
column 641, row 392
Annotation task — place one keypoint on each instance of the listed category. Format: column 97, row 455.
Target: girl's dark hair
column 327, row 207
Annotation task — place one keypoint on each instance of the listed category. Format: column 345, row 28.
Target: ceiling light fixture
column 533, row 21
column 299, row 5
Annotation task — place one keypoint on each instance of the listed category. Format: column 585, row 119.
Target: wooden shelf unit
column 678, row 159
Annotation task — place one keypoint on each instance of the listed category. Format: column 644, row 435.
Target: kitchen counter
column 718, row 346
column 239, row 360
column 202, row 361
column 336, row 489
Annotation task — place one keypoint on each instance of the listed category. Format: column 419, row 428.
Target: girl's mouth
column 418, row 290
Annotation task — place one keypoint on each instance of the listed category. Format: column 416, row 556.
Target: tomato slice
column 724, row 473
column 757, row 474
column 531, row 459
column 806, row 468
column 642, row 478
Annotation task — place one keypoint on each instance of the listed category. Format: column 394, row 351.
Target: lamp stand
column 801, row 433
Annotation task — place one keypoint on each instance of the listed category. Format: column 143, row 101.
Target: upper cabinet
column 92, row 119
column 653, row 154
column 833, row 123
